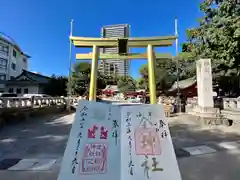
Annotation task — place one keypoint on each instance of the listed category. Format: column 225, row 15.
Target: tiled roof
column 184, row 83
column 111, row 87
column 33, row 76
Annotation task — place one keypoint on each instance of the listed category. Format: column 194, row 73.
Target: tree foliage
column 126, row 84
column 218, row 35
column 166, row 71
column 81, row 79
column 57, row 86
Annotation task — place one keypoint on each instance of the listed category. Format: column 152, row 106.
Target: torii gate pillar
column 93, row 77
column 151, row 74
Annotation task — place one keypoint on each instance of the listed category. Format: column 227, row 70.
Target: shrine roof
column 183, row 84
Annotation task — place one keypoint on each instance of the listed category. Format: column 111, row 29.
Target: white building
column 12, row 60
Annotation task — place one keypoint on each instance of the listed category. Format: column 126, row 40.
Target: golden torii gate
column 123, row 44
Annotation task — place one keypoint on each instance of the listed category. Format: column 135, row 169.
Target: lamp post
column 178, row 89
column 70, row 66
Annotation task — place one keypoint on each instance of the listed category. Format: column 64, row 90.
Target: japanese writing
column 109, row 113
column 159, row 125
column 83, row 114
column 128, row 131
column 146, row 168
column 161, row 128
column 115, row 128
column 206, row 67
column 154, row 165
column 145, row 121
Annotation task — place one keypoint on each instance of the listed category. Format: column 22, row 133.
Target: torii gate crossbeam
column 149, row 43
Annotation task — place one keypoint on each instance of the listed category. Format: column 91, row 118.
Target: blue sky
column 41, row 27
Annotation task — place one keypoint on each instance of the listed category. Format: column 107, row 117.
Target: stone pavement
column 33, row 150
column 222, row 165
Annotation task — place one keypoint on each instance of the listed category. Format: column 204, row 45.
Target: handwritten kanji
column 161, row 124
column 131, row 165
column 84, row 108
column 115, row 135
column 146, row 167
column 164, row 134
column 79, row 135
column 74, row 163
column 81, row 125
column 154, row 165
column 139, row 115
column 83, row 114
column 115, row 124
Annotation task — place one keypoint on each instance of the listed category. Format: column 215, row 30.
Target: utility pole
column 178, row 89
column 70, row 66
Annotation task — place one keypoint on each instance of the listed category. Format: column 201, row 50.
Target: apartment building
column 12, row 60
column 114, row 66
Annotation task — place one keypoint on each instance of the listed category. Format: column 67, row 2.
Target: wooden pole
column 93, row 77
column 151, row 74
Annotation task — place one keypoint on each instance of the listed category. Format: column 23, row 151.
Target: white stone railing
column 21, row 102
column 231, row 103
column 228, row 103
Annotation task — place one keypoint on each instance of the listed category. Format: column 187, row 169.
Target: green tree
column 126, row 84
column 141, row 83
column 186, row 64
column 218, row 35
column 164, row 73
column 57, row 86
column 81, row 78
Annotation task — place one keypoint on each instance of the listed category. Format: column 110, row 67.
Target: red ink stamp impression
column 147, row 141
column 94, row 159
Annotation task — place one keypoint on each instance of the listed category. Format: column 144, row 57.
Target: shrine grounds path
column 33, row 149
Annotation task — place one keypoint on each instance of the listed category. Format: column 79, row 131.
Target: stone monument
column 204, row 83
column 205, row 109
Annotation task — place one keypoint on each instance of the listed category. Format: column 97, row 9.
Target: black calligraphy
column 83, row 114
column 115, row 127
column 128, row 131
column 109, row 113
column 154, row 165
column 145, row 167
column 164, row 134
column 144, row 120
column 161, row 127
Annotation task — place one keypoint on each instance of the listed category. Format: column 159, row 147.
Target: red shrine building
column 187, row 87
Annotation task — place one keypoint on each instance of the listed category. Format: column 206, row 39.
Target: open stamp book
column 119, row 142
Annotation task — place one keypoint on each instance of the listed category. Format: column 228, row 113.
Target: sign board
column 120, row 143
